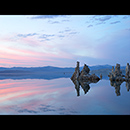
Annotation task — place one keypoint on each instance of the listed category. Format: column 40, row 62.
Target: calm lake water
column 59, row 97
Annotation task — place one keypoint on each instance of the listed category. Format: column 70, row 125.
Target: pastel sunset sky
column 61, row 40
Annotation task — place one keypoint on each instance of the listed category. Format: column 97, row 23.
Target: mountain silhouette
column 50, row 72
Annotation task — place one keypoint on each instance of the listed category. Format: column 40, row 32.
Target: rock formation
column 85, row 70
column 83, row 78
column 76, row 74
column 100, row 76
column 127, row 70
column 84, row 75
column 117, row 74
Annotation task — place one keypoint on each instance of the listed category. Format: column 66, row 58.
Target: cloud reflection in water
column 58, row 97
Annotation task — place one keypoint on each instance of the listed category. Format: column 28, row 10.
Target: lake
column 59, row 97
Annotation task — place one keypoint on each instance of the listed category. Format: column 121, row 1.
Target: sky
column 62, row 40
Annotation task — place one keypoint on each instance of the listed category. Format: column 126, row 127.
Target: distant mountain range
column 51, row 68
column 103, row 67
column 50, row 72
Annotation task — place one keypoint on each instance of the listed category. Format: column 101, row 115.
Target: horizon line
column 54, row 66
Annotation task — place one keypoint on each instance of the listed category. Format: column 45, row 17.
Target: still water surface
column 59, row 97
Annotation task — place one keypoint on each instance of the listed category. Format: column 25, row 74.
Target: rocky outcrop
column 117, row 74
column 76, row 74
column 83, row 78
column 127, row 70
column 100, row 76
column 85, row 70
column 84, row 75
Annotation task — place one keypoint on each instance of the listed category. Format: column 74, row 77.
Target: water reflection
column 117, row 84
column 77, row 87
column 84, row 84
column 128, row 86
column 58, row 96
column 37, row 96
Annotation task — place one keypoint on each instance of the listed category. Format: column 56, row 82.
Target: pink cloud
column 28, row 40
column 15, row 56
column 28, row 57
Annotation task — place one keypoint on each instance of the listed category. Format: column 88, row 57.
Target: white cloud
column 103, row 18
column 115, row 22
column 45, row 16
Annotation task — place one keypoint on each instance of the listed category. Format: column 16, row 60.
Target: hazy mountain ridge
column 47, row 68
column 50, row 72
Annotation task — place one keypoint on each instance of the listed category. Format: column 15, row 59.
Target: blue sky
column 61, row 40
